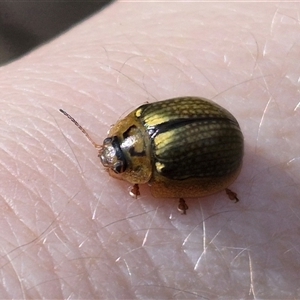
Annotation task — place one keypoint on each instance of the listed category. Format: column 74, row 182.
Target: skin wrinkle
column 252, row 284
column 25, row 183
column 172, row 254
column 239, row 84
column 204, row 250
column 204, row 237
column 97, row 205
column 147, row 232
column 13, row 234
column 180, row 291
column 31, row 243
column 41, row 234
column 143, row 246
column 17, row 275
column 134, row 82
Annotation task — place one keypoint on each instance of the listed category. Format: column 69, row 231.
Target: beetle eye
column 118, row 167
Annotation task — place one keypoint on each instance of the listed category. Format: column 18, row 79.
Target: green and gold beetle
column 181, row 147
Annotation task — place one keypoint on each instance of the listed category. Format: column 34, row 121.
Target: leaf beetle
column 182, row 147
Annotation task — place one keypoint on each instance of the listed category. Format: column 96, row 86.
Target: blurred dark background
column 26, row 24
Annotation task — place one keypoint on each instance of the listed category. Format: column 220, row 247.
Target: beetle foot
column 182, row 206
column 232, row 195
column 135, row 191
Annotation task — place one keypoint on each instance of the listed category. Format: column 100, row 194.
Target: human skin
column 68, row 230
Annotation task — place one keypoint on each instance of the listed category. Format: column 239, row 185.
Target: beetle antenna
column 81, row 128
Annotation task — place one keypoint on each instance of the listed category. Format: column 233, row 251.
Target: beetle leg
column 232, row 195
column 182, row 206
column 135, row 191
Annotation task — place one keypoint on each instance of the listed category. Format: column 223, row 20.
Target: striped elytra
column 181, row 147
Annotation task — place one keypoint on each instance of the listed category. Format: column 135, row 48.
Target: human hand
column 70, row 231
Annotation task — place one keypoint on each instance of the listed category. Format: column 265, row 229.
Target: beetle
column 182, row 147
